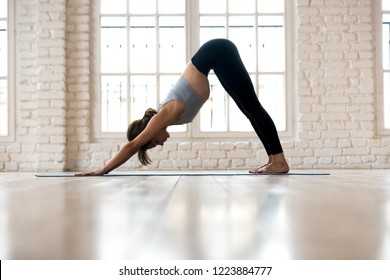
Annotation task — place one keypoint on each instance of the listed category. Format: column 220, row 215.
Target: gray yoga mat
column 304, row 173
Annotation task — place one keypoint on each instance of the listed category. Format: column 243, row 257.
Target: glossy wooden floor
column 345, row 215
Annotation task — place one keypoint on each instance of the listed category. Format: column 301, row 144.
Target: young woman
column 187, row 97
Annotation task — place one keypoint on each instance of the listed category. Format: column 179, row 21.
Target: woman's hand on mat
column 98, row 172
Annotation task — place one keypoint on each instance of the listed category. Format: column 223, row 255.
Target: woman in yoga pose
column 187, row 97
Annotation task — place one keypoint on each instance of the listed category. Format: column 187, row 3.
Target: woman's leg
column 222, row 56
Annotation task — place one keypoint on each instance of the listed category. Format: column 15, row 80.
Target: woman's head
column 136, row 127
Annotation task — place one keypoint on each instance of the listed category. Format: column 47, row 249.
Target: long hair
column 135, row 128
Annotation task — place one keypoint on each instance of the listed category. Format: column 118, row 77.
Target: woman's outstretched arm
column 165, row 117
column 124, row 154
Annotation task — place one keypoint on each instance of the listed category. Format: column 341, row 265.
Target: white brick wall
column 335, row 96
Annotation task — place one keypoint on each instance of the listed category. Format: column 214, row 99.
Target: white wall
column 335, row 103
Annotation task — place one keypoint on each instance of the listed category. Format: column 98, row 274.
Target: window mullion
column 192, row 38
column 128, row 74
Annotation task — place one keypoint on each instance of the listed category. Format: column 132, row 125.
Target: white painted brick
column 50, row 166
column 310, row 117
column 316, row 144
column 212, row 154
column 11, row 166
column 195, row 164
column 340, row 134
column 180, row 164
column 58, row 139
column 210, row 163
column 186, row 154
column 303, row 3
column 242, row 145
column 309, row 135
column 251, row 163
column 28, row 148
column 44, row 157
column 43, row 139
column 14, row 148
column 328, row 152
column 334, row 108
column 50, row 148
column 51, row 6
column 170, row 146
column 166, row 164
column 185, row 146
column 212, row 146
column 239, row 154
column 227, row 146
column 156, row 156
column 238, row 163
column 309, row 161
column 335, row 125
column 335, row 117
column 385, row 151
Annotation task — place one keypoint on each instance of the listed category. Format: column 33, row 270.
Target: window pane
column 214, row 113
column 273, row 99
column 172, row 44
column 113, row 45
column 386, row 105
column 386, row 5
column 271, row 45
column 3, row 107
column 237, row 6
column 212, row 7
column 143, row 45
column 3, row 9
column 114, row 103
column 143, row 95
column 113, row 7
column 386, row 41
column 237, row 120
column 3, row 69
column 3, row 49
column 171, row 6
column 142, row 6
column 242, row 33
column 211, row 28
column 274, row 6
column 166, row 83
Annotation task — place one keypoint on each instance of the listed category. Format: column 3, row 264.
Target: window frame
column 381, row 129
column 192, row 45
column 10, row 136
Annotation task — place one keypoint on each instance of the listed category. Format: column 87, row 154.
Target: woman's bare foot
column 273, row 168
column 277, row 164
column 257, row 170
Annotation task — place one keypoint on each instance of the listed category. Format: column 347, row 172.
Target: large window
column 145, row 45
column 386, row 62
column 4, row 69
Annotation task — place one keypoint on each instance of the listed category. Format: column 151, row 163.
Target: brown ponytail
column 135, row 128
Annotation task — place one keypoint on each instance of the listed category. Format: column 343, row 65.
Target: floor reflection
column 342, row 216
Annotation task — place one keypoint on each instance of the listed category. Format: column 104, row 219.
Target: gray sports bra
column 192, row 101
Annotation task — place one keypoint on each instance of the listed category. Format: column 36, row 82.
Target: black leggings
column 222, row 56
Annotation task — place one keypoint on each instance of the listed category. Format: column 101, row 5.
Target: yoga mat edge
column 303, row 173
